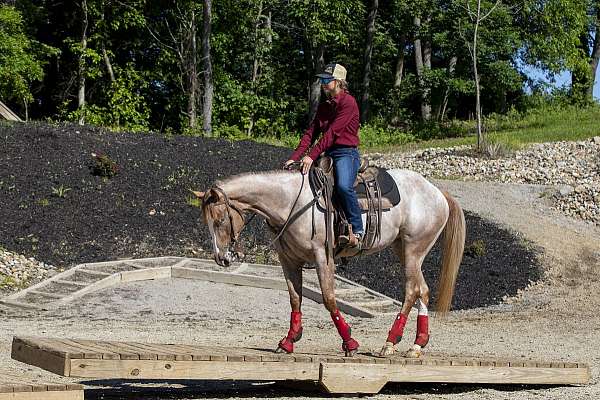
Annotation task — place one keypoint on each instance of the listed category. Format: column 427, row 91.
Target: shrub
column 103, row 166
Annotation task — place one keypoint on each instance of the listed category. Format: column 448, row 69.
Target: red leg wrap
column 422, row 330
column 294, row 334
column 345, row 332
column 395, row 334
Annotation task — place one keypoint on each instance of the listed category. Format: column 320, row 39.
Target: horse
column 283, row 198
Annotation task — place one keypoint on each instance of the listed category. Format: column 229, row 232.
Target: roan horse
column 411, row 228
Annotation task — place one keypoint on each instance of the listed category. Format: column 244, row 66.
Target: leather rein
column 291, row 217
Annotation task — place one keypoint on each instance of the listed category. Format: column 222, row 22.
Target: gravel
column 572, row 168
column 18, row 271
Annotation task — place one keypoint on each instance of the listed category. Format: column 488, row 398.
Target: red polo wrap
column 345, row 331
column 422, row 330
column 294, row 334
column 395, row 334
column 342, row 327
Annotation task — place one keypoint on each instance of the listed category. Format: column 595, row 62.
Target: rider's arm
column 307, row 139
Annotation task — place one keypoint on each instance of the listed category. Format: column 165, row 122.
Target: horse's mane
column 247, row 174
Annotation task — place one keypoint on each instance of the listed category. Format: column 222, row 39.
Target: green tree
column 21, row 59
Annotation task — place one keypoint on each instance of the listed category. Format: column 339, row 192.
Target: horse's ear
column 198, row 194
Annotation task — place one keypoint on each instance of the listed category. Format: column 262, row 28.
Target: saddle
column 376, row 191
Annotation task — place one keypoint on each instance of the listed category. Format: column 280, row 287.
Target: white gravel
column 572, row 168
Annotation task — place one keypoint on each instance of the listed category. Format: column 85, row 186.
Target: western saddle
column 376, row 191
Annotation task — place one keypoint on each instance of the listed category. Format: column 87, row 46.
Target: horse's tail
column 453, row 247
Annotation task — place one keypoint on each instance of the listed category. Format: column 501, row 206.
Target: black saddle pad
column 388, row 187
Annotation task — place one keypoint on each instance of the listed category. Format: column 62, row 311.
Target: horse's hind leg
column 326, row 273
column 416, row 292
column 293, row 276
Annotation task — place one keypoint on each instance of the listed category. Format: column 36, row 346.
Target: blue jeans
column 346, row 161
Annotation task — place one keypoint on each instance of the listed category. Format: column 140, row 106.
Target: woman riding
column 337, row 123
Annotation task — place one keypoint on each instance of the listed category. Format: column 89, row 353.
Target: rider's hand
column 287, row 164
column 306, row 163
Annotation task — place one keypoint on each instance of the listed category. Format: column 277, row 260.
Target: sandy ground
column 556, row 319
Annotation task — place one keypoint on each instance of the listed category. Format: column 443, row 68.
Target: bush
column 103, row 166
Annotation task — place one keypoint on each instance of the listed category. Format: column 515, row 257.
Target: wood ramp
column 352, row 298
column 13, row 387
column 363, row 373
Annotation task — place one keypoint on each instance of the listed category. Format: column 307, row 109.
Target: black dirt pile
column 55, row 206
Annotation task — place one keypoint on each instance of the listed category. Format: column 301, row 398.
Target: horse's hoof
column 351, row 353
column 414, row 352
column 280, row 350
column 388, row 349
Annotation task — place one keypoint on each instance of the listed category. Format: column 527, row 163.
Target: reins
column 291, row 217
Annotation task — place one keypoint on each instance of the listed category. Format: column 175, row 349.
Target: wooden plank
column 72, row 283
column 219, row 370
column 146, row 274
column 229, row 278
column 358, row 378
column 48, row 395
column 8, row 114
column 49, row 295
column 109, row 281
column 39, row 358
column 343, row 306
column 19, row 304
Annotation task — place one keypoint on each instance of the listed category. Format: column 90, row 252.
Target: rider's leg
column 347, row 162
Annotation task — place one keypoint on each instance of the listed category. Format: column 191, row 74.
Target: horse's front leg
column 293, row 277
column 326, row 273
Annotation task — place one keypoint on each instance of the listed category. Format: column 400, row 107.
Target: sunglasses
column 326, row 81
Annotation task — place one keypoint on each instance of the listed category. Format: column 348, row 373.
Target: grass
column 513, row 130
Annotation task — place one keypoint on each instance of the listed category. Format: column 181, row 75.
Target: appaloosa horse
column 411, row 228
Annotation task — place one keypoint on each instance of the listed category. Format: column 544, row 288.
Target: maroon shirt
column 338, row 120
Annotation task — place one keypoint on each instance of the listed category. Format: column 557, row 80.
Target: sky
column 563, row 79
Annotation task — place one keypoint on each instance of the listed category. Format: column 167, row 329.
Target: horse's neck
column 270, row 194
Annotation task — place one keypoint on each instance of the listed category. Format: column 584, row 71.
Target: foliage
column 103, row 166
column 262, row 84
column 20, row 58
column 60, row 191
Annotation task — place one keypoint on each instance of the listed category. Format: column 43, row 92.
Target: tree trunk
column 451, row 69
column 255, row 64
column 400, row 63
column 364, row 102
column 208, row 79
column 192, row 72
column 595, row 58
column 106, row 58
column 419, row 61
column 318, row 63
column 82, row 67
column 476, row 74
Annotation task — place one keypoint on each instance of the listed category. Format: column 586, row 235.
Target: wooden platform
column 352, row 298
column 13, row 387
column 360, row 374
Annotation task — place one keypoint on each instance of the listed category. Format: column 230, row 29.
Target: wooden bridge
column 364, row 373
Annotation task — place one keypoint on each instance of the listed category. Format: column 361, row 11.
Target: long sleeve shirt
column 338, row 120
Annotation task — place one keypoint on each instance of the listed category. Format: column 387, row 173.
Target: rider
column 337, row 122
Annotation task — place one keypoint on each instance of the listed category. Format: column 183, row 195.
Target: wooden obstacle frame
column 14, row 387
column 364, row 373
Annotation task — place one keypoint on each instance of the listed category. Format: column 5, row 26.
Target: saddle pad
column 388, row 187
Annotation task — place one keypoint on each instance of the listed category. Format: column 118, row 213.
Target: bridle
column 230, row 206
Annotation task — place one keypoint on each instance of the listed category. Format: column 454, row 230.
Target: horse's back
column 419, row 198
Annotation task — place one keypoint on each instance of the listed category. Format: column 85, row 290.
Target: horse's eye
column 219, row 222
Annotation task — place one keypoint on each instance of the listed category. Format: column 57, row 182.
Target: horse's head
column 225, row 220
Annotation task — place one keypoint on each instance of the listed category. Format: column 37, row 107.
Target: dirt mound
column 57, row 208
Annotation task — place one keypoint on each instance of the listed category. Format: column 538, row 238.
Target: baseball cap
column 335, row 71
